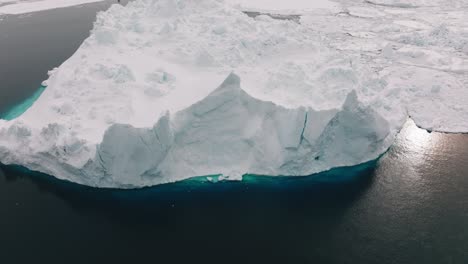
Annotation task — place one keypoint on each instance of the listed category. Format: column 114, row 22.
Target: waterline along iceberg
column 165, row 90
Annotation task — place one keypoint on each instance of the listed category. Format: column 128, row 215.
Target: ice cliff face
column 229, row 132
column 166, row 90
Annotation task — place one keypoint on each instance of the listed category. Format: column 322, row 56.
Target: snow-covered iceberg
column 165, row 90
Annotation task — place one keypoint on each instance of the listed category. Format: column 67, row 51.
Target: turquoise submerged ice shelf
column 342, row 176
column 19, row 109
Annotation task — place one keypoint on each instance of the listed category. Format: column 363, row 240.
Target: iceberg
column 166, row 90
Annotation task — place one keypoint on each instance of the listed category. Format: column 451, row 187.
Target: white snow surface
column 291, row 6
column 165, row 90
column 16, row 7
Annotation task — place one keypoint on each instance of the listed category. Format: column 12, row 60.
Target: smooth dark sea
column 410, row 206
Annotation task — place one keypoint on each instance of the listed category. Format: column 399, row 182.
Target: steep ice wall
column 229, row 132
column 164, row 90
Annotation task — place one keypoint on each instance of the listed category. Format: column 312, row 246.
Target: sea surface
column 410, row 206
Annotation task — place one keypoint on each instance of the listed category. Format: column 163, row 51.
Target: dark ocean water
column 410, row 206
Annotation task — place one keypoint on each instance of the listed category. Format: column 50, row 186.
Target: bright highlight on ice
column 165, row 90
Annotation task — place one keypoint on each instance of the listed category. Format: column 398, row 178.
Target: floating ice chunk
column 165, row 90
column 229, row 133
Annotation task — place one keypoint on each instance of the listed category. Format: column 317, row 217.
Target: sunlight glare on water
column 419, row 144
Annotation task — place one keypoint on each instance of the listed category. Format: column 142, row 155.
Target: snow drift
column 166, row 90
